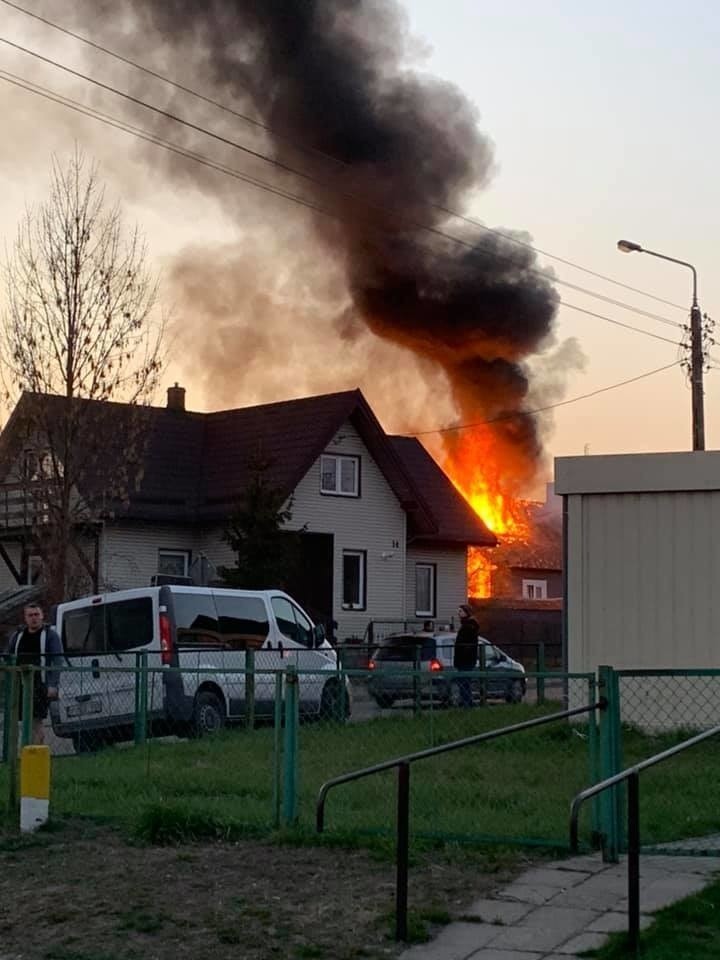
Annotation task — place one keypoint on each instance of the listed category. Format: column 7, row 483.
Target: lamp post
column 696, row 345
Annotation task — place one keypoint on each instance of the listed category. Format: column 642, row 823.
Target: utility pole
column 697, row 356
column 696, row 376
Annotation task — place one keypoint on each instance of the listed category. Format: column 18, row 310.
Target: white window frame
column 433, row 588
column 167, row 552
column 337, row 491
column 362, row 556
column 534, row 589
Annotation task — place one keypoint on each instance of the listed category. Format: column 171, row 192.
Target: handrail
column 403, row 794
column 632, row 775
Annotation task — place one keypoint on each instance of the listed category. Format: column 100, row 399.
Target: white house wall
column 374, row 522
column 450, row 579
column 129, row 552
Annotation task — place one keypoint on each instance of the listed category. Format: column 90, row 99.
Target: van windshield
column 406, row 648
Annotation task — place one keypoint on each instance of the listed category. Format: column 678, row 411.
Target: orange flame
column 478, row 469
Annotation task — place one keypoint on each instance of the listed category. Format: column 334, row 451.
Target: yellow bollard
column 34, row 787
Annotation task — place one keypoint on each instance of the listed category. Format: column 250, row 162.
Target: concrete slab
column 585, row 863
column 662, row 892
column 612, row 921
column 528, row 893
column 498, row 911
column 584, row 941
column 538, row 939
column 568, row 919
column 488, row 953
column 457, row 941
column 547, row 877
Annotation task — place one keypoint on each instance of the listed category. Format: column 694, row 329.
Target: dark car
column 403, row 659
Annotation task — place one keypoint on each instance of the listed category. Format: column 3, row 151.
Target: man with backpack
column 38, row 645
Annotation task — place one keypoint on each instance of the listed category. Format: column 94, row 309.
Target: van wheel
column 87, row 741
column 331, row 707
column 208, row 714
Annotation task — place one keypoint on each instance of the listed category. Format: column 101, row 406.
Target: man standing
column 466, row 651
column 38, row 645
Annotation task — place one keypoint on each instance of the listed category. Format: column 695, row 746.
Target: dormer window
column 339, row 475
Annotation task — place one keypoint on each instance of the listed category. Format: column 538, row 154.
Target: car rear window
column 405, row 649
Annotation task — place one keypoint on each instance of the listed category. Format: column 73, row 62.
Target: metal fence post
column 482, row 664
column 277, row 748
column 12, row 749
column 141, row 692
column 540, row 670
column 417, row 706
column 250, row 688
column 290, row 779
column 610, row 764
column 8, row 720
column 28, row 682
column 633, row 793
column 594, row 759
column 402, row 854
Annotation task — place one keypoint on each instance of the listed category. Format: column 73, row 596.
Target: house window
column 354, row 570
column 340, row 475
column 534, row 589
column 174, row 563
column 424, row 589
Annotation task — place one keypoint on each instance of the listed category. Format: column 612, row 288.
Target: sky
column 602, row 119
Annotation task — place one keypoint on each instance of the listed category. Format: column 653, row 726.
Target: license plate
column 85, row 708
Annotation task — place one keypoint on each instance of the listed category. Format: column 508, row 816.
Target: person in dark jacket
column 38, row 645
column 466, row 651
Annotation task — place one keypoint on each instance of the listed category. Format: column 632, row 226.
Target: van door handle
column 95, row 664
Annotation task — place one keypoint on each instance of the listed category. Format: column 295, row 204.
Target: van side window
column 285, row 617
column 292, row 621
column 196, row 621
column 83, row 631
column 243, row 622
column 129, row 623
column 304, row 627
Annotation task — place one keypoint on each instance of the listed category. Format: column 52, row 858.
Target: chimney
column 176, row 398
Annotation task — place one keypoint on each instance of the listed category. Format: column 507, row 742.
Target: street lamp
column 696, row 345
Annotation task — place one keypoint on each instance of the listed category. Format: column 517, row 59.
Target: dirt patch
column 85, row 894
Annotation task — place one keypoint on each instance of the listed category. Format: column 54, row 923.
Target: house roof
column 192, row 466
column 541, row 549
column 456, row 520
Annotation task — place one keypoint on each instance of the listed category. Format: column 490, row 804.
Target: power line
column 308, row 149
column 325, row 185
column 550, row 406
column 138, row 132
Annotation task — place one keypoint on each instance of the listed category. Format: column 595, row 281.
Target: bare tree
column 80, row 327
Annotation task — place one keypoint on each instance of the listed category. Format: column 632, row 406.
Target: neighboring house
column 530, row 567
column 385, row 533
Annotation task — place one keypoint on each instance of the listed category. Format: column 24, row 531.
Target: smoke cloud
column 386, row 152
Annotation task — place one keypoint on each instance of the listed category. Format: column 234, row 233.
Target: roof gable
column 454, row 518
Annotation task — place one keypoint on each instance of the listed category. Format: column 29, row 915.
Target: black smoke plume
column 388, row 152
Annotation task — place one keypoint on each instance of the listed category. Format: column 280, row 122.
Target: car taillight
column 371, row 664
column 435, row 665
column 166, row 646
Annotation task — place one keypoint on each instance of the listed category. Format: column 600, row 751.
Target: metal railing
column 632, row 776
column 403, row 795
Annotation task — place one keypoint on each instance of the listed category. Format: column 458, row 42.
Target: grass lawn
column 518, row 787
column 688, row 930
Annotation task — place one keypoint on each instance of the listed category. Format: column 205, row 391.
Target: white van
column 194, row 628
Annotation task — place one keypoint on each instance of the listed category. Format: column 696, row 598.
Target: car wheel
column 384, row 700
column 454, row 697
column 88, row 741
column 331, row 707
column 514, row 692
column 208, row 714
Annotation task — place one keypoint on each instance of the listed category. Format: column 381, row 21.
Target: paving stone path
column 555, row 911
